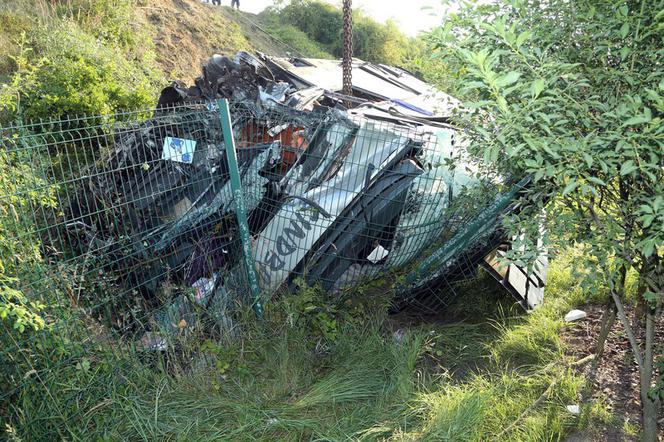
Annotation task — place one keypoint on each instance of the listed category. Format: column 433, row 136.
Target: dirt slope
column 187, row 32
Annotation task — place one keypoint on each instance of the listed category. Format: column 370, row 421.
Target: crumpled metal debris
column 331, row 198
column 242, row 78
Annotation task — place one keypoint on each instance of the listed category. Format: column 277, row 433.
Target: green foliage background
column 372, row 41
column 572, row 95
column 74, row 58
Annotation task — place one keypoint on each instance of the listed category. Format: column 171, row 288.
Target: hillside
column 102, row 56
column 186, row 32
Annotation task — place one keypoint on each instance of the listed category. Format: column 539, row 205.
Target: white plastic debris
column 399, row 336
column 153, row 341
column 574, row 409
column 575, row 315
column 204, row 288
column 378, row 254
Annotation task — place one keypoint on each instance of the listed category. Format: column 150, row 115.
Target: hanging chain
column 347, row 63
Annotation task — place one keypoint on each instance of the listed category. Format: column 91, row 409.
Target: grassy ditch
column 316, row 371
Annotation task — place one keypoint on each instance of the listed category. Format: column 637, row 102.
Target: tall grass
column 435, row 381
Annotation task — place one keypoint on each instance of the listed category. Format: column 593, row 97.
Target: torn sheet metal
column 332, row 195
column 299, row 223
column 378, row 84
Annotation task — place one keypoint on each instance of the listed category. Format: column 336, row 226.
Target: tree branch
column 608, row 319
column 628, row 329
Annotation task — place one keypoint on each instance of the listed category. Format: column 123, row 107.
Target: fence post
column 240, row 209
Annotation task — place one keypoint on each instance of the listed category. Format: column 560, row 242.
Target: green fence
column 122, row 232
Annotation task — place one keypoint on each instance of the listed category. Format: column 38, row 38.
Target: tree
column 323, row 23
column 571, row 93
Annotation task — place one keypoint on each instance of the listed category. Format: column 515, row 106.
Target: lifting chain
column 347, row 63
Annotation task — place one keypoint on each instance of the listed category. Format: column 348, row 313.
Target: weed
column 308, row 308
column 278, row 381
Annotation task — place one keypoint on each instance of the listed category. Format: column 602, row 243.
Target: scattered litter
column 399, row 336
column 575, row 315
column 177, row 149
column 152, row 341
column 574, row 409
column 378, row 254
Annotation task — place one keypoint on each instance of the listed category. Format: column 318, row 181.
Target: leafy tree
column 320, row 21
column 22, row 192
column 571, row 93
column 323, row 23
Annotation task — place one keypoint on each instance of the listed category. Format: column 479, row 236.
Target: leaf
column 537, row 87
column 502, row 104
column 570, row 187
column 627, row 167
column 624, row 53
column 491, row 154
column 639, row 119
column 647, row 220
column 624, row 30
column 507, row 79
column 596, row 180
column 648, row 247
column 521, row 39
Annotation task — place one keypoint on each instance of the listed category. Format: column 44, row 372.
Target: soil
column 617, row 382
column 187, row 32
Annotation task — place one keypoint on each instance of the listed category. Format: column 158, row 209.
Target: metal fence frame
column 71, row 207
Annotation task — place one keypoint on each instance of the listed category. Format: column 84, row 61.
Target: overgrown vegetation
column 571, row 95
column 323, row 23
column 82, row 57
column 100, row 56
column 290, row 379
column 295, row 40
column 338, row 369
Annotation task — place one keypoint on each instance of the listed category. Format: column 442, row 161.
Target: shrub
column 323, row 23
column 76, row 75
column 75, row 57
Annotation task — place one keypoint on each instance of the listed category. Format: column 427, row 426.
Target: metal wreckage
column 337, row 190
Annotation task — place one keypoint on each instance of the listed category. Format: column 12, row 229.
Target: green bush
column 292, row 36
column 320, row 21
column 76, row 75
column 323, row 23
column 75, row 57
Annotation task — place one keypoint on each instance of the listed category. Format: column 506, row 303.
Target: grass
column 434, row 381
column 358, row 376
column 89, row 56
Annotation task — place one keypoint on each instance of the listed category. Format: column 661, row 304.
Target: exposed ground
column 187, row 32
column 616, row 388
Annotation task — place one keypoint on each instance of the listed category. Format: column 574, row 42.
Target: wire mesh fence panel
column 119, row 233
column 91, row 239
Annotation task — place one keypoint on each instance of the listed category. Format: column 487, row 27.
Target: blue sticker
column 179, row 149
